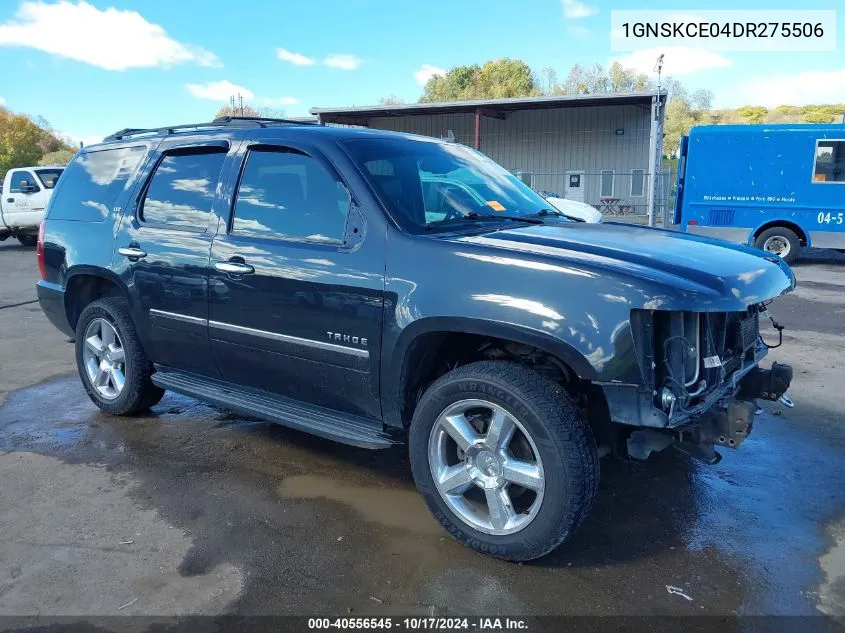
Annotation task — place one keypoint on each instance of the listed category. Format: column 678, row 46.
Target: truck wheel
column 780, row 241
column 503, row 459
column 28, row 240
column 112, row 364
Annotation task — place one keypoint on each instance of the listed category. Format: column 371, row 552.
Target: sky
column 91, row 68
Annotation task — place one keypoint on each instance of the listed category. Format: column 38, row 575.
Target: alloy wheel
column 104, row 359
column 486, row 467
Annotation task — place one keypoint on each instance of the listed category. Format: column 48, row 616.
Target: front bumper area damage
column 725, row 422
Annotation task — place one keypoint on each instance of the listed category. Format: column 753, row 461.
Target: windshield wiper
column 558, row 213
column 475, row 215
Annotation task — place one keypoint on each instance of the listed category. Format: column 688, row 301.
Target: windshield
column 430, row 185
column 48, row 177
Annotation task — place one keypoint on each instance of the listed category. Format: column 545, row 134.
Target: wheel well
column 433, row 354
column 82, row 290
column 787, row 225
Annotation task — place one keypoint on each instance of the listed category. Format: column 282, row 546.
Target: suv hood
column 733, row 276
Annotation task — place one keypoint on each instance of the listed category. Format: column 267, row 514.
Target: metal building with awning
column 602, row 149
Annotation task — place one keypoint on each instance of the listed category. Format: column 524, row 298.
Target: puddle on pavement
column 763, row 504
column 403, row 509
column 832, row 590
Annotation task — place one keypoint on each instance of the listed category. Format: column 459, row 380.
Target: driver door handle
column 234, row 268
column 132, row 251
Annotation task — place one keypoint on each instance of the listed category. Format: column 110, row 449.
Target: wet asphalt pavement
column 193, row 510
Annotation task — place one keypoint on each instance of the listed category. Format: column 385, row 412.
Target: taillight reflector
column 40, row 250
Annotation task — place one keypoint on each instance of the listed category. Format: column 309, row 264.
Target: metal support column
column 652, row 159
column 477, row 138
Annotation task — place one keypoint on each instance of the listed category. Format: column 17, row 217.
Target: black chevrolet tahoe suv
column 376, row 288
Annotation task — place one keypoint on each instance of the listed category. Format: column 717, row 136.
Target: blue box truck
column 777, row 187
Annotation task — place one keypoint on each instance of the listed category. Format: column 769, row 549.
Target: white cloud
column 218, row 91
column 810, row 87
column 75, row 139
column 426, row 72
column 575, row 9
column 193, row 185
column 678, row 60
column 280, row 101
column 112, row 39
column 342, row 61
column 296, row 59
column 2, row 101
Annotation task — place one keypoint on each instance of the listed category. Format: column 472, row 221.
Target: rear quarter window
column 92, row 183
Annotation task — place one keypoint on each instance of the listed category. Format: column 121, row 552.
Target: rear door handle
column 234, row 268
column 132, row 251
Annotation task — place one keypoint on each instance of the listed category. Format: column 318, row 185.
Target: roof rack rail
column 259, row 120
column 224, row 121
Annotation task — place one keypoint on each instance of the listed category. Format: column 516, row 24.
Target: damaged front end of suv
column 702, row 380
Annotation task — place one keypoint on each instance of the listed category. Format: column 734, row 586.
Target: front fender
column 394, row 361
column 570, row 312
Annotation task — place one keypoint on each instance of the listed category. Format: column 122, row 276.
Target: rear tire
column 780, row 241
column 112, row 364
column 550, row 447
column 28, row 240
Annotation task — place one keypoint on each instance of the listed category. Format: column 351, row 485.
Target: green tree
column 391, row 100
column 623, row 79
column 59, row 157
column 495, row 79
column 582, row 80
column 505, row 78
column 754, row 114
column 19, row 141
column 823, row 113
column 595, row 79
column 548, row 79
column 50, row 141
column 701, row 99
column 683, row 111
column 679, row 118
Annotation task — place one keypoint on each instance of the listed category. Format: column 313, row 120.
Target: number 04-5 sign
column 831, row 218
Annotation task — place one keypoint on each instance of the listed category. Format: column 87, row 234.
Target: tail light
column 40, row 250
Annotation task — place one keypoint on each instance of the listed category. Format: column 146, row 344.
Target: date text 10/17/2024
column 419, row 624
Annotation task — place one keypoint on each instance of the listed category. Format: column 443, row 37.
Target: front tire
column 112, row 364
column 780, row 241
column 504, row 459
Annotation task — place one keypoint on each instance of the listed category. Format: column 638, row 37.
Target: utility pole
column 241, row 103
column 655, row 143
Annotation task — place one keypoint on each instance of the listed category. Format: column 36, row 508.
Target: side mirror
column 27, row 188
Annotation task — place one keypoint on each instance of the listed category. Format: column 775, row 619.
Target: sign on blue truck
column 778, row 187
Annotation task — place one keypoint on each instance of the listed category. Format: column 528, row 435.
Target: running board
column 332, row 425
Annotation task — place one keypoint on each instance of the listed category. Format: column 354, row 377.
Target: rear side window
column 830, row 162
column 182, row 189
column 23, row 182
column 92, row 182
column 290, row 195
column 48, row 177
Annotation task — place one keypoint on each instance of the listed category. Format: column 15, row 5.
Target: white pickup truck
column 26, row 191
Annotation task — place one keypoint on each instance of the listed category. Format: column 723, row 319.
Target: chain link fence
column 619, row 196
